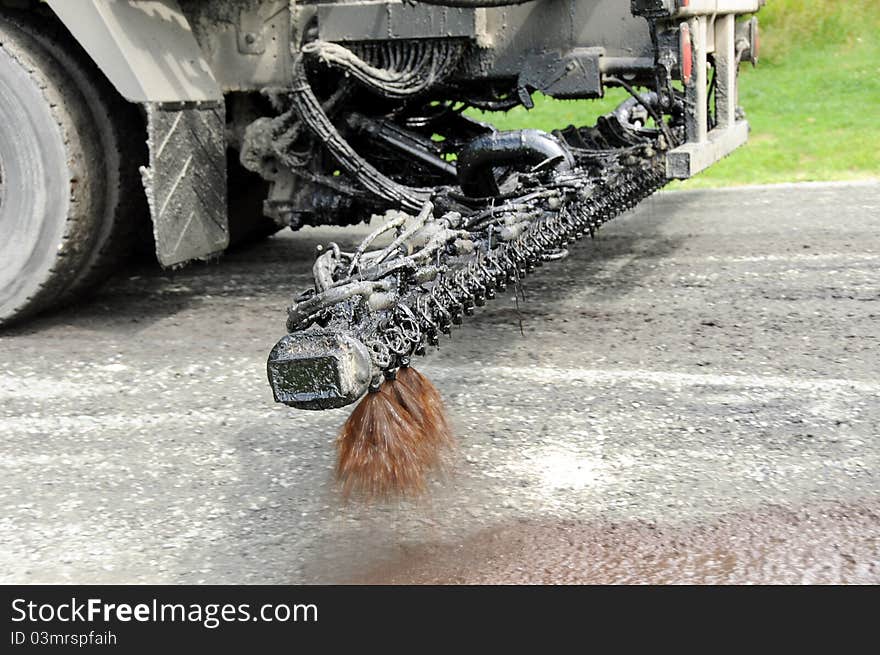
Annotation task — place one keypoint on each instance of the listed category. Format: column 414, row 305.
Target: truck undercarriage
column 351, row 109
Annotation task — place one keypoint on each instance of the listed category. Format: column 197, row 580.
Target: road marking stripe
column 638, row 377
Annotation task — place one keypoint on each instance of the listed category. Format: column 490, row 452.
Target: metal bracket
column 319, row 370
column 251, row 28
column 574, row 74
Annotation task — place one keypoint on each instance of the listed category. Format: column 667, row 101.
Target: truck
column 213, row 121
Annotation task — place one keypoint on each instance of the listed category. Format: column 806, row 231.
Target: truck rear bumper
column 691, row 158
column 705, row 36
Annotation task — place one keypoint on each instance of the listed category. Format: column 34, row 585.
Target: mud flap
column 186, row 180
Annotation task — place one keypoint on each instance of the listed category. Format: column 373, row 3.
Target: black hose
column 645, row 102
column 623, row 112
column 477, row 161
column 311, row 113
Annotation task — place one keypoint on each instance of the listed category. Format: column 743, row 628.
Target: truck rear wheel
column 68, row 204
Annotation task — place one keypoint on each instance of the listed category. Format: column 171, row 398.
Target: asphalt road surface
column 695, row 398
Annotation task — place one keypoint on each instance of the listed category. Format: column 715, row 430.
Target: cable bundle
column 392, row 68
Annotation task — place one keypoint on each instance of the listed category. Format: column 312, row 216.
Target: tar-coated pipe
column 645, row 101
column 476, row 162
column 623, row 112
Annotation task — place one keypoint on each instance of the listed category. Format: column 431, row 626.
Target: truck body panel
column 146, row 49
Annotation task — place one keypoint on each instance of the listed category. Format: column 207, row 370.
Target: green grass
column 812, row 101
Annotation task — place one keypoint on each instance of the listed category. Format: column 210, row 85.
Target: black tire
column 70, row 201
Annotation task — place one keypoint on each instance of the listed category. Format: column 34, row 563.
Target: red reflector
column 687, row 53
column 756, row 42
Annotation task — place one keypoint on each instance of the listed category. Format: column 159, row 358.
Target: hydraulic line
column 309, row 110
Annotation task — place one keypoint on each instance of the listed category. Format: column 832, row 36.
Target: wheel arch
column 146, row 49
